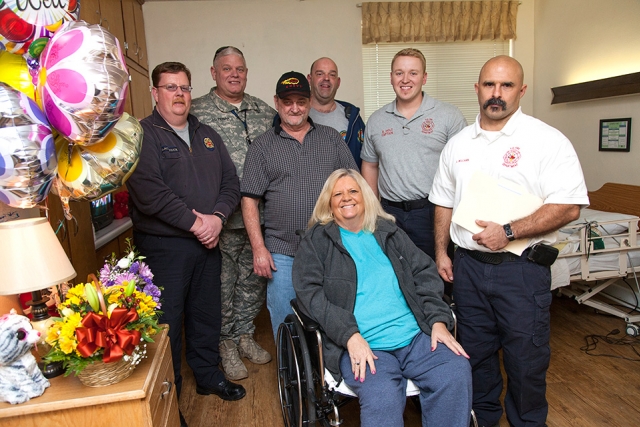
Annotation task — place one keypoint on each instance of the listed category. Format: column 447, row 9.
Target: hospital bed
column 600, row 249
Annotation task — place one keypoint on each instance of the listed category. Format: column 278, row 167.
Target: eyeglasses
column 172, row 88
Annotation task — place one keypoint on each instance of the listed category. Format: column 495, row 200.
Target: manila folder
column 500, row 201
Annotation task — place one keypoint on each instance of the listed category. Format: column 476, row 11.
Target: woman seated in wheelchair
column 379, row 297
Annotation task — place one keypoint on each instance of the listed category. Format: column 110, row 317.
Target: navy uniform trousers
column 417, row 223
column 505, row 306
column 190, row 276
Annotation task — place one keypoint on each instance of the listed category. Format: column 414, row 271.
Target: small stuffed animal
column 121, row 205
column 20, row 377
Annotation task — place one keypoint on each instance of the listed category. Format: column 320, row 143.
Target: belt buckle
column 406, row 206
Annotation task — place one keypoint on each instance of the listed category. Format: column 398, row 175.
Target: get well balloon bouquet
column 80, row 81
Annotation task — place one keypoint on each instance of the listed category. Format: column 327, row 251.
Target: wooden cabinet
column 135, row 43
column 75, row 235
column 117, row 245
column 106, row 13
column 124, row 19
column 139, row 100
column 146, row 399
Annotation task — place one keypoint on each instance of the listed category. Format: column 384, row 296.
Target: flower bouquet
column 105, row 323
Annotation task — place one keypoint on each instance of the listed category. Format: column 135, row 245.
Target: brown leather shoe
column 250, row 349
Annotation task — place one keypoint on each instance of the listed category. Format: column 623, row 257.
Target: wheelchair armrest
column 308, row 324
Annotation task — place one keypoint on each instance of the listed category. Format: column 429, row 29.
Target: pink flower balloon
column 83, row 82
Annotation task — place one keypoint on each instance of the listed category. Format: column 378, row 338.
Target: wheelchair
column 309, row 395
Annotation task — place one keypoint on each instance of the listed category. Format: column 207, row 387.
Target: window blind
column 452, row 70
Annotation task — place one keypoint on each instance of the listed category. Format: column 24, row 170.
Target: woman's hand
column 360, row 354
column 440, row 333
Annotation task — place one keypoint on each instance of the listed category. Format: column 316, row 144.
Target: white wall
column 275, row 36
column 583, row 40
column 569, row 41
column 278, row 36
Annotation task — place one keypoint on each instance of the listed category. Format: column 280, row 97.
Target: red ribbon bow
column 109, row 333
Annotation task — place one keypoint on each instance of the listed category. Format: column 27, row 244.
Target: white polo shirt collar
column 508, row 128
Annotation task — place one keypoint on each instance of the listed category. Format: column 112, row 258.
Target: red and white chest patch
column 511, row 157
column 387, row 132
column 428, row 125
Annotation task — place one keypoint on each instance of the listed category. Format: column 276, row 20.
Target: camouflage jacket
column 214, row 111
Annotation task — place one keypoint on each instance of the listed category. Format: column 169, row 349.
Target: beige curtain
column 439, row 21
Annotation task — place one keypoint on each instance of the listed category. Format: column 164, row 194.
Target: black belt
column 494, row 258
column 407, row 205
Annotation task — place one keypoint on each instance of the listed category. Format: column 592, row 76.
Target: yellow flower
column 53, row 333
column 74, row 300
column 77, row 291
column 66, row 345
column 113, row 297
column 146, row 305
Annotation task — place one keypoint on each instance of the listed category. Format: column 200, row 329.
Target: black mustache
column 494, row 101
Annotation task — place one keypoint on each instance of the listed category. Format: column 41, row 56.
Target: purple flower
column 134, row 267
column 125, row 277
column 106, row 275
column 153, row 292
column 145, row 271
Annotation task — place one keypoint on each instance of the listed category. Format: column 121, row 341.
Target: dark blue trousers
column 444, row 380
column 418, row 224
column 190, row 276
column 505, row 306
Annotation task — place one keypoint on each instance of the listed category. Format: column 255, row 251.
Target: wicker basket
column 99, row 374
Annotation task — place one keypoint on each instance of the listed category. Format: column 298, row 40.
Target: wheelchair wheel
column 294, row 375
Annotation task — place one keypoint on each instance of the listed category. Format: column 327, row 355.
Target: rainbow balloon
column 86, row 173
column 27, row 151
column 22, row 22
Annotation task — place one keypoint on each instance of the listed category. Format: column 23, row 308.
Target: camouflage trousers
column 243, row 292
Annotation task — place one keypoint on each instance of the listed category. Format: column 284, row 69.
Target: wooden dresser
column 147, row 398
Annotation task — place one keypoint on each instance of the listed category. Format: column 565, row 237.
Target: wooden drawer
column 161, row 397
column 138, row 401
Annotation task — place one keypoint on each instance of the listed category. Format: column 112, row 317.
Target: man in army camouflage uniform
column 238, row 118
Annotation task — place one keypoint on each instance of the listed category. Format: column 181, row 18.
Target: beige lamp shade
column 32, row 257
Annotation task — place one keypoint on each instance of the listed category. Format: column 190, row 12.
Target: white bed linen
column 565, row 267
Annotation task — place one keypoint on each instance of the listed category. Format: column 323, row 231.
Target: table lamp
column 32, row 259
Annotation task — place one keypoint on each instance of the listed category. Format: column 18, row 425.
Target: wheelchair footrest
column 343, row 388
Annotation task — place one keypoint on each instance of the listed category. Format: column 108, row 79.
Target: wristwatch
column 509, row 232
column 222, row 217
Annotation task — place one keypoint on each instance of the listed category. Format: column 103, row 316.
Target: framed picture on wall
column 615, row 134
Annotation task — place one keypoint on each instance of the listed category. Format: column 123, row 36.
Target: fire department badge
column 208, row 143
column 511, row 157
column 427, row 126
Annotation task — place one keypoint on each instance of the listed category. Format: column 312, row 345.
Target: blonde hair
column 372, row 208
column 411, row 52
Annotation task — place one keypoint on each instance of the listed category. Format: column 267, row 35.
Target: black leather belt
column 407, row 205
column 494, row 258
